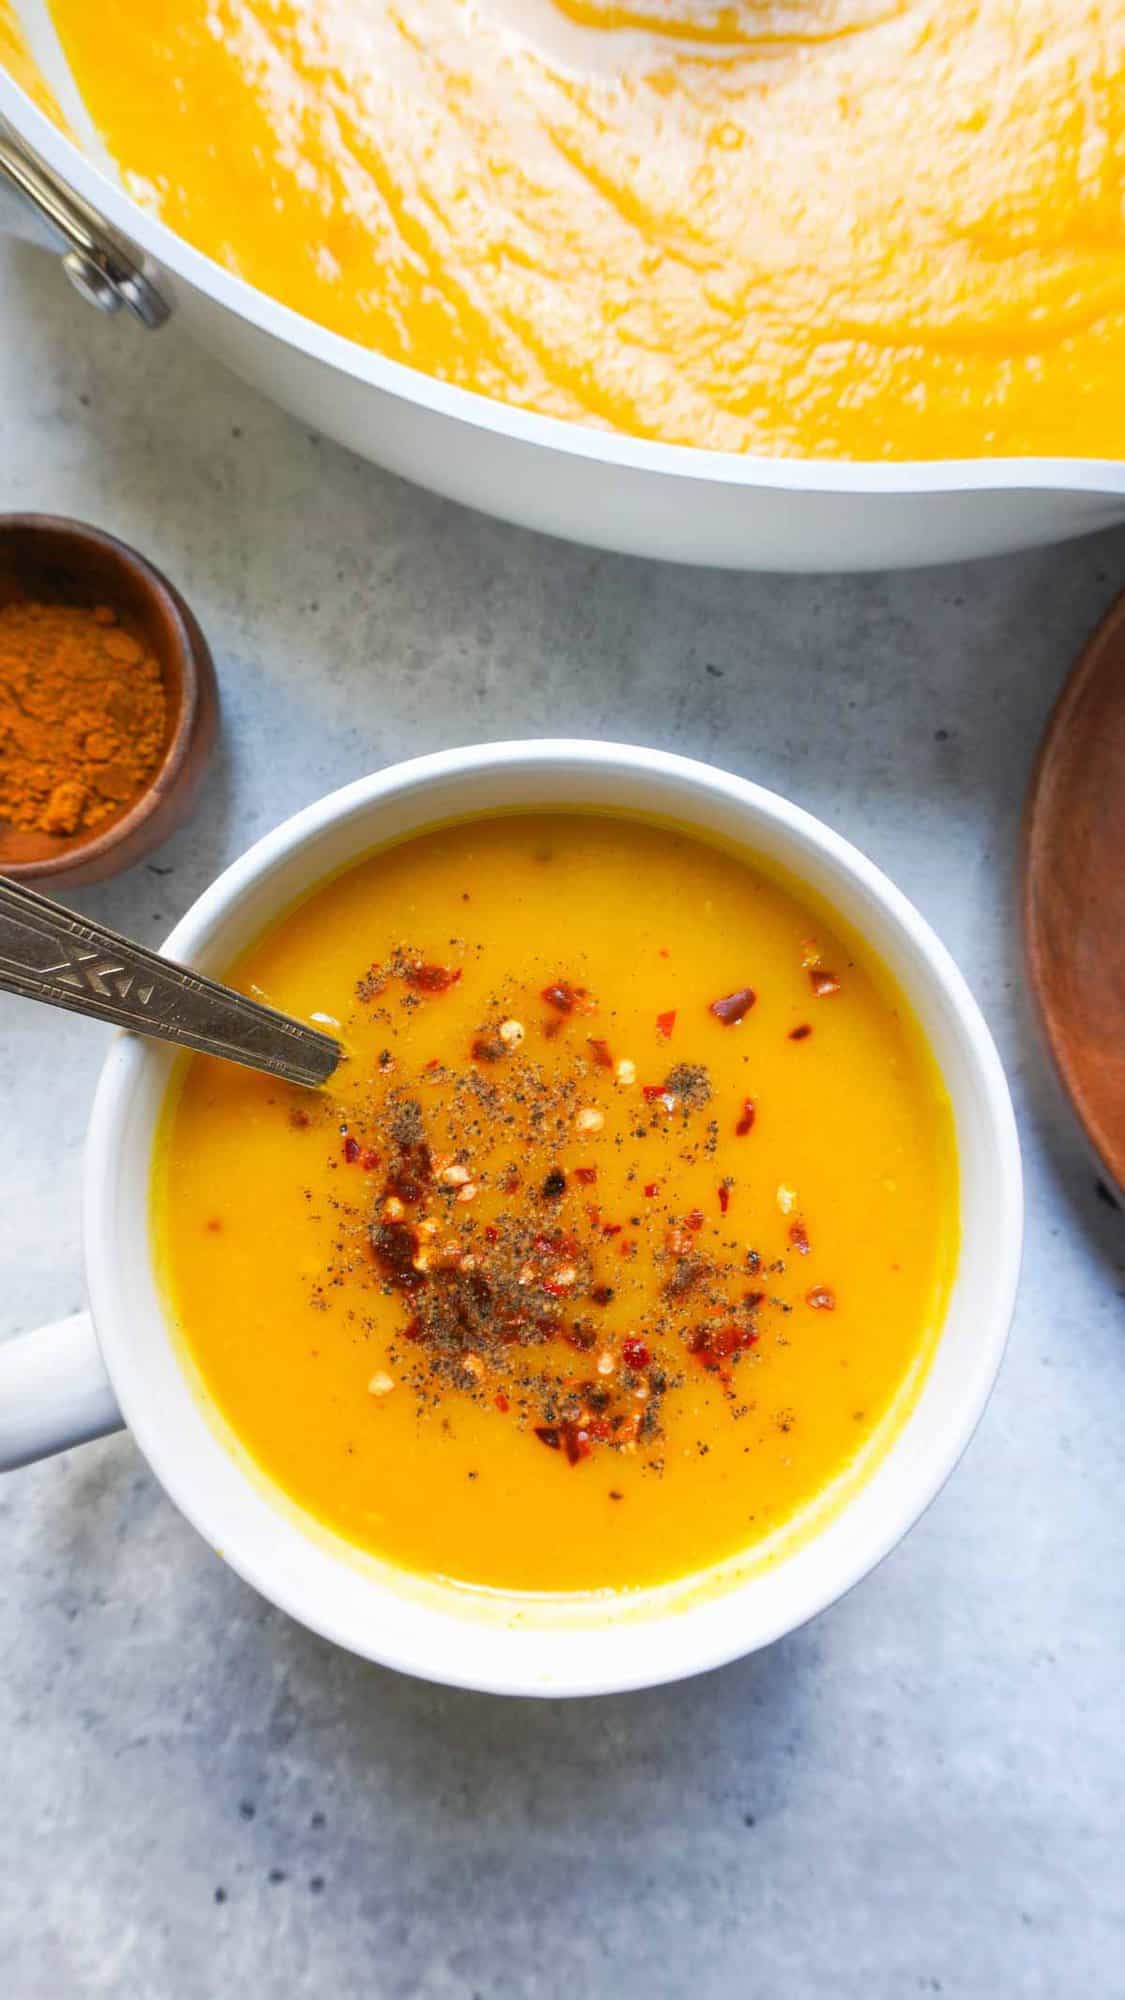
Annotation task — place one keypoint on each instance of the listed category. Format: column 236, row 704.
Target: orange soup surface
column 865, row 229
column 623, row 1232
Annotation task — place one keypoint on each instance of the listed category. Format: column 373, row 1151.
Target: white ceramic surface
column 600, row 487
column 438, row 1637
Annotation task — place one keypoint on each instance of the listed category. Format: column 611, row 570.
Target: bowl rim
column 618, row 449
column 101, row 842
column 123, row 1070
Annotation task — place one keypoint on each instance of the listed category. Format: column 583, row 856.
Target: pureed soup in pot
column 621, row 1239
column 867, row 229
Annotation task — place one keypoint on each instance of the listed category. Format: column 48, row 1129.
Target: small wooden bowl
column 1074, row 889
column 65, row 562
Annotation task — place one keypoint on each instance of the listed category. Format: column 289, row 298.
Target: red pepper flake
column 664, row 952
column 651, row 1188
column 411, row 1174
column 821, row 1299
column 601, row 1051
column 568, row 999
column 560, row 1243
column 752, row 1300
column 299, row 1118
column 586, row 1176
column 395, row 1245
column 651, row 1091
column 434, row 1062
column 487, row 1048
column 823, row 982
column 602, row 1294
column 626, row 1247
column 491, row 1233
column 799, row 1237
column 579, row 1338
column 214, row 1224
column 665, row 1024
column 431, row 978
column 694, row 1220
column 712, row 1345
column 351, row 1150
column 548, row 1435
column 746, row 1120
column 734, row 1007
column 801, row 1033
column 635, row 1354
column 369, row 1160
column 724, row 1198
column 576, row 1441
column 502, row 1403
column 612, row 1228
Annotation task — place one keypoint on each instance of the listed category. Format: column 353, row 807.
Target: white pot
column 54, row 1390
column 616, row 492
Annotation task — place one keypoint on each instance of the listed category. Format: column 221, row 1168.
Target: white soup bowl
column 68, row 1382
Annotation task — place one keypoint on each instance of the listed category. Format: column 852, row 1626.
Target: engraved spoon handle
column 48, row 953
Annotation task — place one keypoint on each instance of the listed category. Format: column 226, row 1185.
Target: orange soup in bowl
column 847, row 229
column 620, row 1240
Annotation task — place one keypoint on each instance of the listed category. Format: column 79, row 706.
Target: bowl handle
column 54, row 1392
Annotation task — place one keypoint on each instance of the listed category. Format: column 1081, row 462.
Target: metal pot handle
column 102, row 266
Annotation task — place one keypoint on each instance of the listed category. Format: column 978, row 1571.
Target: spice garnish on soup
column 512, row 1319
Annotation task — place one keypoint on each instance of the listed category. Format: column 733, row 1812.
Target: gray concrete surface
column 921, row 1793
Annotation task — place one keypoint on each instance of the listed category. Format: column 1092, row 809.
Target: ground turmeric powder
column 82, row 716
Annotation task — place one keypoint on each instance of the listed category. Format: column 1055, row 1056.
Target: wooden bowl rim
column 1096, row 653
column 190, row 642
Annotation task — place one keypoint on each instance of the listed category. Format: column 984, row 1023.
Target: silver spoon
column 48, row 953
